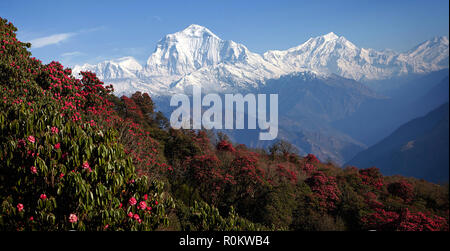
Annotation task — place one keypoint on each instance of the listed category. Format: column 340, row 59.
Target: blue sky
column 75, row 32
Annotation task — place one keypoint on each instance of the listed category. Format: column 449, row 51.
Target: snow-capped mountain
column 431, row 55
column 191, row 49
column 197, row 56
column 335, row 54
column 190, row 57
column 122, row 68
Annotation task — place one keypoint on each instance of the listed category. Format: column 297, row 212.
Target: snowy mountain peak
column 188, row 50
column 430, row 55
column 129, row 63
column 331, row 53
column 195, row 30
column 126, row 67
column 333, row 40
column 330, row 36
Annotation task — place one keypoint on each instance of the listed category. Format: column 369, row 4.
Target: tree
column 282, row 148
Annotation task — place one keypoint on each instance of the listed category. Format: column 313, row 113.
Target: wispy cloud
column 72, row 54
column 49, row 40
column 60, row 37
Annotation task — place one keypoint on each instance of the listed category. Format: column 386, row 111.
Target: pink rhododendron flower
column 43, row 196
column 130, row 214
column 132, row 201
column 86, row 166
column 33, row 169
column 20, row 207
column 136, row 217
column 57, row 145
column 31, row 139
column 73, row 218
column 142, row 205
column 54, row 130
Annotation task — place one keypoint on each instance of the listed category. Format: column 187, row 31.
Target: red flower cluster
column 247, row 169
column 372, row 177
column 54, row 130
column 311, row 158
column 372, row 202
column 86, row 166
column 402, row 189
column 20, row 207
column 33, row 170
column 309, row 168
column 31, row 139
column 132, row 201
column 132, row 109
column 404, row 221
column 204, row 171
column 325, row 188
column 286, row 173
column 73, row 218
column 409, row 221
column 225, row 146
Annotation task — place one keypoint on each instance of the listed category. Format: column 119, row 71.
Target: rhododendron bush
column 404, row 221
column 61, row 167
column 325, row 188
column 75, row 157
column 90, row 177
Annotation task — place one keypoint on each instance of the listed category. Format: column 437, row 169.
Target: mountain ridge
column 196, row 55
column 418, row 148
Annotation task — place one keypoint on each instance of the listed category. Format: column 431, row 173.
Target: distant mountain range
column 195, row 56
column 375, row 119
column 308, row 104
column 335, row 99
column 419, row 148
